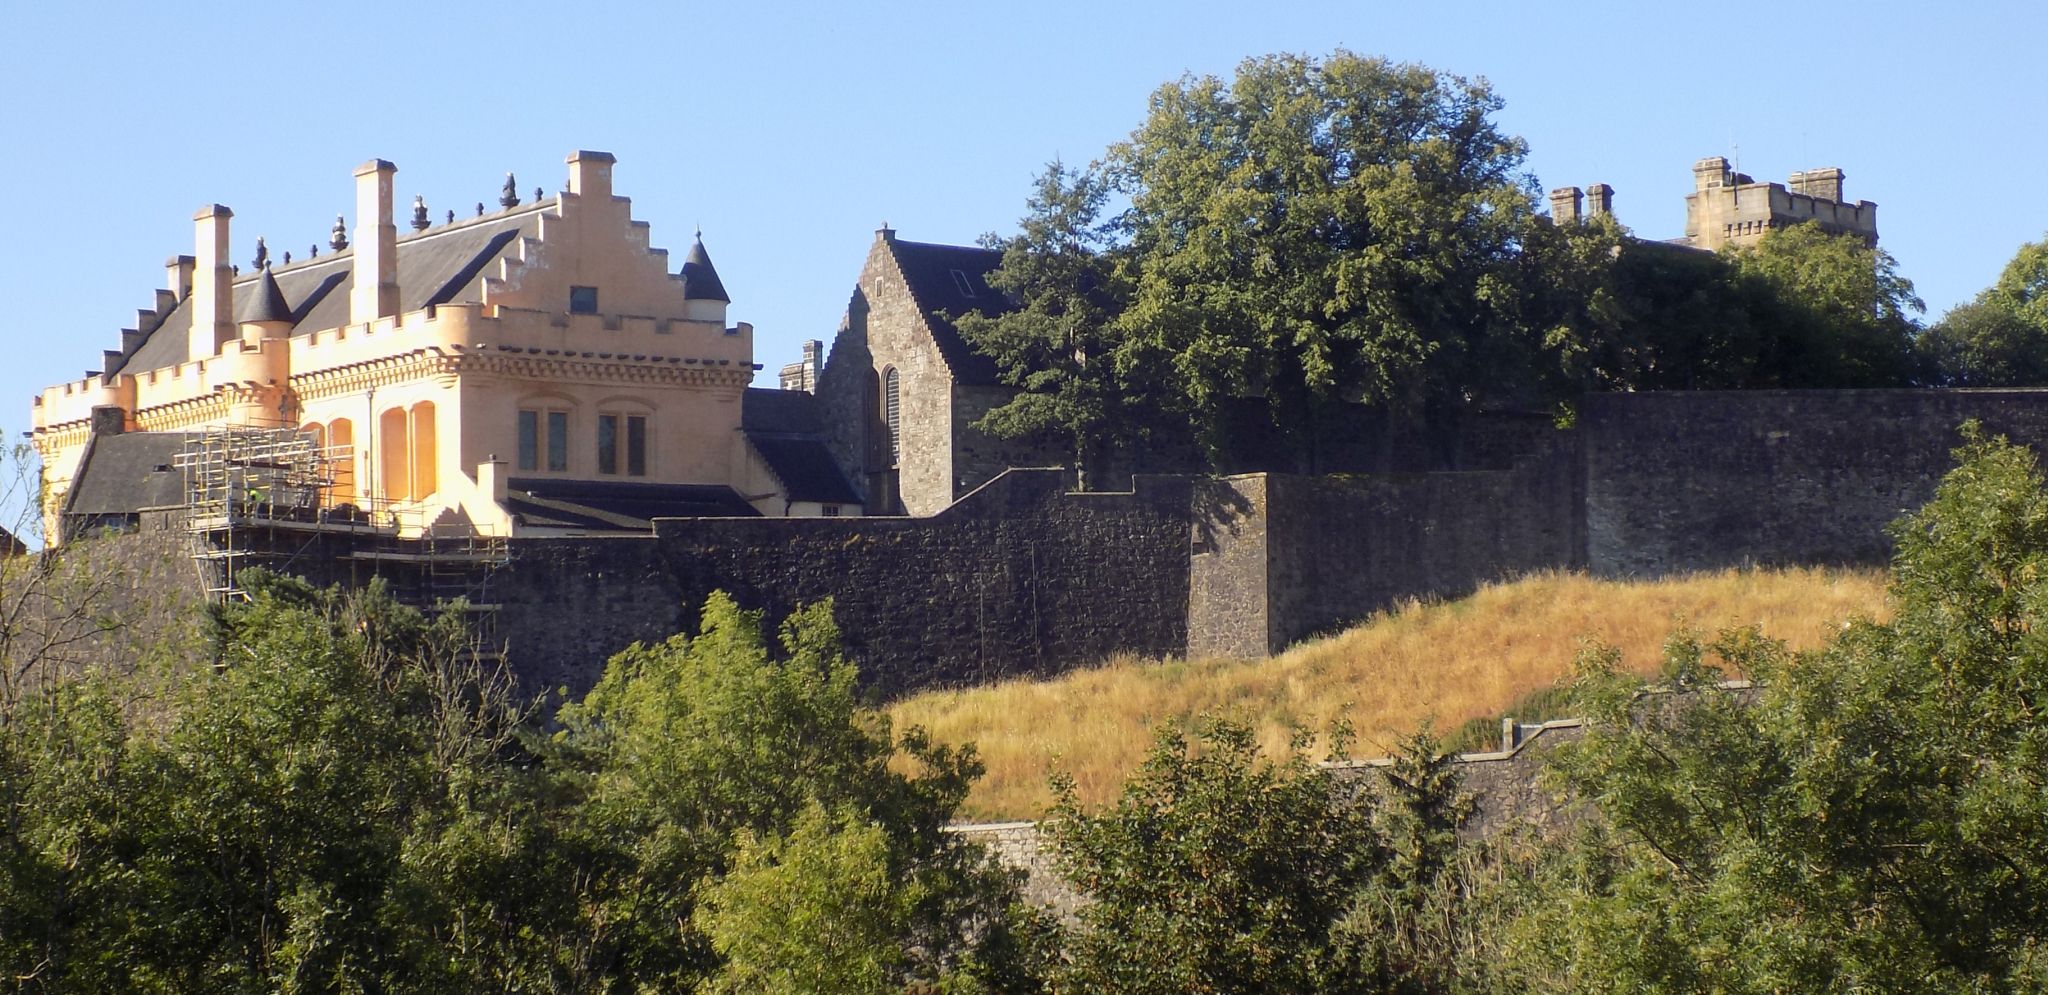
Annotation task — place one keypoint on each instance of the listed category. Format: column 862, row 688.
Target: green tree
column 820, row 911
column 1828, row 311
column 687, row 747
column 1876, row 821
column 1323, row 231
column 1079, row 387
column 1216, row 872
column 2000, row 339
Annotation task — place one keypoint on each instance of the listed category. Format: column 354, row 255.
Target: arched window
column 423, row 451
column 892, row 415
column 394, row 469
column 341, row 434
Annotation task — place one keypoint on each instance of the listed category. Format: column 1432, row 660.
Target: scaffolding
column 269, row 497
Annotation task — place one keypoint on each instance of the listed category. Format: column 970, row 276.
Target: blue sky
column 790, row 131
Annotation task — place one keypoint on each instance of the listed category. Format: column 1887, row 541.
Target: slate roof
column 700, row 278
column 264, row 302
column 617, row 506
column 929, row 270
column 442, row 265
column 124, row 474
column 785, row 428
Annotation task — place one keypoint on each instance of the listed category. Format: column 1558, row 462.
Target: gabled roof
column 127, row 473
column 952, row 280
column 700, row 278
column 617, row 506
column 785, row 428
column 443, row 265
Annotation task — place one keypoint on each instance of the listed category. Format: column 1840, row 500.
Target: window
column 582, row 300
column 892, row 414
column 964, row 282
column 831, row 511
column 558, row 441
column 543, row 431
column 529, row 439
column 628, row 447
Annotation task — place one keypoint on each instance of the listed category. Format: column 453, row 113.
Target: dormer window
column 582, row 300
column 964, row 282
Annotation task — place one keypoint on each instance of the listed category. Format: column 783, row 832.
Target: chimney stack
column 178, row 274
column 1564, row 205
column 1711, row 172
column 1599, row 200
column 213, row 286
column 590, row 174
column 375, row 293
column 1822, row 184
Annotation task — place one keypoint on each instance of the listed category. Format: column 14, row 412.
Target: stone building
column 901, row 390
column 1730, row 208
column 537, row 367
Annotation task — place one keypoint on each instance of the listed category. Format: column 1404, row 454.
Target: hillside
column 1452, row 662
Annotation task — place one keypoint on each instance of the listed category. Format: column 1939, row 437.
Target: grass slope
column 1448, row 662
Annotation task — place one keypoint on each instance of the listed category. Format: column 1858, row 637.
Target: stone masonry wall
column 1020, row 577
column 1698, row 481
column 1340, row 548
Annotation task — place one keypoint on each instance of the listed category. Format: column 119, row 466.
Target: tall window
column 543, row 435
column 622, row 441
column 394, row 470
column 892, row 415
column 424, row 478
column 341, row 434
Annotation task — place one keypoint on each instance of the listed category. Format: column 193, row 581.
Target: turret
column 703, row 293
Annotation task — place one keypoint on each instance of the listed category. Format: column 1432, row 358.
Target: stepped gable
column 952, row 280
column 785, row 428
column 443, row 265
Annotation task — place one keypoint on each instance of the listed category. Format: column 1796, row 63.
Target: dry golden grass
column 1448, row 662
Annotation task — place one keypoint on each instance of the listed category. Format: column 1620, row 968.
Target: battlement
column 1727, row 207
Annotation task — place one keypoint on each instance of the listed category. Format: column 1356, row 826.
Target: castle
column 354, row 423
column 532, row 370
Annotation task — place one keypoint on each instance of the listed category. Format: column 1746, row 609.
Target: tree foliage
column 2000, row 339
column 1875, row 821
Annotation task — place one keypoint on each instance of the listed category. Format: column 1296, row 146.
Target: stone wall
column 1340, row 548
column 1699, row 481
column 1020, row 577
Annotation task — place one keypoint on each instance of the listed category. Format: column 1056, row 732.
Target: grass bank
column 1448, row 662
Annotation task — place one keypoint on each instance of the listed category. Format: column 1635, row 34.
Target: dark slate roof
column 784, row 427
column 930, row 270
column 806, row 468
column 443, row 265
column 617, row 506
column 766, row 409
column 124, row 474
column 700, row 278
column 265, row 302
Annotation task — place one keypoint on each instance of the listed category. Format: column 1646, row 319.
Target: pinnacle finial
column 537, row 195
column 262, row 254
column 339, row 239
column 419, row 212
column 479, row 209
column 287, row 257
column 313, row 251
column 451, row 216
column 509, row 197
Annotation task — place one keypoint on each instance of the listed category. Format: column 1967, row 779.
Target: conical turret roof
column 267, row 303
column 700, row 279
